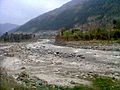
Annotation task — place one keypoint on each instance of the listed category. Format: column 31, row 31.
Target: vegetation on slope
column 93, row 34
column 75, row 13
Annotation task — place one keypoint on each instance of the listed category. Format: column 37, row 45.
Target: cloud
column 20, row 11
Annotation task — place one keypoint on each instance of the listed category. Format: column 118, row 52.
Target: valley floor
column 59, row 65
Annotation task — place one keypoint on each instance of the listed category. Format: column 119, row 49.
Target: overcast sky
column 21, row 11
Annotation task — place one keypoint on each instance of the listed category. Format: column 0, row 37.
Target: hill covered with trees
column 76, row 13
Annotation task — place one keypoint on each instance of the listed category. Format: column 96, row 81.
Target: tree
column 114, row 23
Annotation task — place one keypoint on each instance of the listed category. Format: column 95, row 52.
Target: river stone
column 23, row 68
column 116, row 74
column 23, row 76
column 73, row 82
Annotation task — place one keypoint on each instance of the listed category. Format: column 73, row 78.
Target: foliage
column 8, row 83
column 16, row 37
column 97, row 34
column 106, row 83
column 116, row 24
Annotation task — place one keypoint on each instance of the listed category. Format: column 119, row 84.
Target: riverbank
column 95, row 45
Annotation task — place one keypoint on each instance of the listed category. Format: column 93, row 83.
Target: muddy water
column 63, row 65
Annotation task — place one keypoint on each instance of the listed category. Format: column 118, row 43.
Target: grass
column 8, row 83
column 81, row 87
column 100, row 83
column 118, row 41
column 106, row 83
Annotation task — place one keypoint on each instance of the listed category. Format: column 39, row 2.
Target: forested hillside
column 75, row 14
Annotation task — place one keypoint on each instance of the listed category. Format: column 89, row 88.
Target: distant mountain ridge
column 6, row 27
column 75, row 12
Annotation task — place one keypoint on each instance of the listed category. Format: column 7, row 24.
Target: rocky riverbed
column 95, row 45
column 59, row 65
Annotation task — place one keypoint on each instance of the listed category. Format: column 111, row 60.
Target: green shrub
column 98, row 34
column 106, row 83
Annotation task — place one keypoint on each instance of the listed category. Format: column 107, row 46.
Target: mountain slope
column 75, row 12
column 7, row 27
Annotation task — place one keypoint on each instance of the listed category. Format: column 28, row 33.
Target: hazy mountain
column 7, row 27
column 75, row 12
